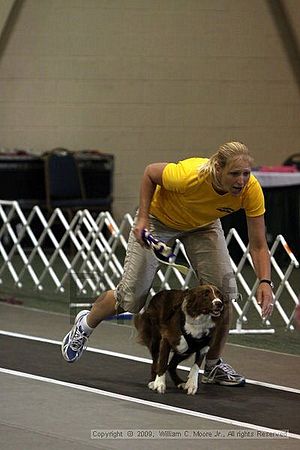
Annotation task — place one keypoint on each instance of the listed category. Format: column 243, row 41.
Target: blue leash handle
column 161, row 250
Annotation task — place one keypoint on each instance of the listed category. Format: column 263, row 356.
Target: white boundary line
column 145, row 402
column 139, row 359
column 257, row 349
column 112, row 323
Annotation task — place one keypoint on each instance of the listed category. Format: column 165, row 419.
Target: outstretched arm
column 261, row 259
column 151, row 178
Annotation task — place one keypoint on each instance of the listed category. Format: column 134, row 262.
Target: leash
column 162, row 252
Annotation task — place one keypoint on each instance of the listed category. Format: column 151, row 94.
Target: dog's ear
column 190, row 296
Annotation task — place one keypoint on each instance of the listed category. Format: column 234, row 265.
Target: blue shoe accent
column 75, row 342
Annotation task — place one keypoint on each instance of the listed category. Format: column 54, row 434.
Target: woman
column 186, row 200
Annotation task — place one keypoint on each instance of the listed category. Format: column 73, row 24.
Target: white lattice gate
column 85, row 257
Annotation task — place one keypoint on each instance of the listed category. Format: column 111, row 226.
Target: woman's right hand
column 151, row 178
column 140, row 226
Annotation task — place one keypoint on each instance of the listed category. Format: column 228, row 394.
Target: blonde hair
column 227, row 152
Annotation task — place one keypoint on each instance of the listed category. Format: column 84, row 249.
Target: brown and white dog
column 182, row 321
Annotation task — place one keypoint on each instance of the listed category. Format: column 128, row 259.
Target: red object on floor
column 279, row 169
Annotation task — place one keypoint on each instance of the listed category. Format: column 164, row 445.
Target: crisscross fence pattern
column 84, row 257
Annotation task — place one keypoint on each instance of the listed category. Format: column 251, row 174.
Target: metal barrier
column 85, row 257
column 287, row 317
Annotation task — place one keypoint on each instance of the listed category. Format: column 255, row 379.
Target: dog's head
column 204, row 299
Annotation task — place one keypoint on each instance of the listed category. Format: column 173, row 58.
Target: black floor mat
column 253, row 404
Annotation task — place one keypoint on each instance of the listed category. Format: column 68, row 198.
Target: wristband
column 269, row 282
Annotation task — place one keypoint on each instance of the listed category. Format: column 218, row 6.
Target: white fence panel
column 49, row 253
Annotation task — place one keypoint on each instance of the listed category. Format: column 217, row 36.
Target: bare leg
column 104, row 306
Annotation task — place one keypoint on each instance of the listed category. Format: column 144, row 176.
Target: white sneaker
column 75, row 342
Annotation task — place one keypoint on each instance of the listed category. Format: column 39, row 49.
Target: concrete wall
column 147, row 80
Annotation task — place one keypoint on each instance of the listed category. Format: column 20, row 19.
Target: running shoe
column 222, row 373
column 75, row 342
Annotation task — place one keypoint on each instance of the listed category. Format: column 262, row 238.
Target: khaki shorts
column 205, row 247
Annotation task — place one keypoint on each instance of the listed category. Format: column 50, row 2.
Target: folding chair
column 64, row 186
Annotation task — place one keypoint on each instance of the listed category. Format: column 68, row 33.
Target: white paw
column 159, row 384
column 191, row 386
column 182, row 346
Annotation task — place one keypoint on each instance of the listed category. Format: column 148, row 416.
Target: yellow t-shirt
column 186, row 201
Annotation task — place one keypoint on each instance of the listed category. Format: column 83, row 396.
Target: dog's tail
column 145, row 328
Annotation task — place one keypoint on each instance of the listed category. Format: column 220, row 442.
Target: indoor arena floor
column 102, row 401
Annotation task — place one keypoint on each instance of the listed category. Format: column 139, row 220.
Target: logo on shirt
column 226, row 210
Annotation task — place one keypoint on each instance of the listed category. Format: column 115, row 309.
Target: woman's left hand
column 265, row 298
